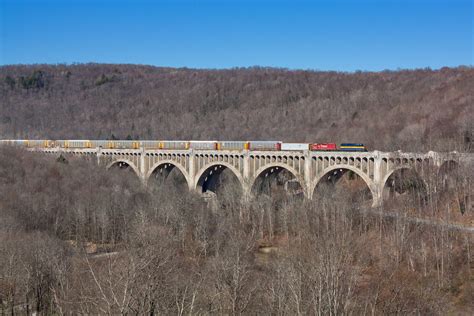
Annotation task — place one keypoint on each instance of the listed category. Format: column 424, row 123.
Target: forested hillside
column 410, row 110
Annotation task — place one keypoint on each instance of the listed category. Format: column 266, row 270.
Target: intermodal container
column 203, row 145
column 323, row 147
column 294, row 146
column 233, row 145
column 264, row 145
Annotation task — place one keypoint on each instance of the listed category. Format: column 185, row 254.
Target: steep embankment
column 409, row 110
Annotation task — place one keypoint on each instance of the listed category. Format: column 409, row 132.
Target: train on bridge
column 185, row 145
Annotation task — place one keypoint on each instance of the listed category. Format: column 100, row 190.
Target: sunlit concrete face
column 304, row 170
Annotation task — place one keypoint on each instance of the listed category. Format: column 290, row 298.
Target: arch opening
column 125, row 171
column 448, row 175
column 343, row 185
column 219, row 182
column 453, row 188
column 167, row 177
column 277, row 183
column 404, row 184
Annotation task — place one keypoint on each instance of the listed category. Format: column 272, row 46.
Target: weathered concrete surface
column 307, row 167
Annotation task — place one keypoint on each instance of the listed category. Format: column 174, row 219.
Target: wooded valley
column 78, row 238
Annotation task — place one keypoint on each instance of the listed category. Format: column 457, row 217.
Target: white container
column 294, row 146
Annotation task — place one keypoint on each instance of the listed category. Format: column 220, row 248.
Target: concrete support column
column 377, row 191
column 192, row 170
column 99, row 154
column 307, row 175
column 246, row 186
column 142, row 166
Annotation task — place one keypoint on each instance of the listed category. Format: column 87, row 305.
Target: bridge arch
column 402, row 167
column 124, row 161
column 259, row 172
column 448, row 174
column 181, row 169
column 418, row 178
column 369, row 183
column 208, row 170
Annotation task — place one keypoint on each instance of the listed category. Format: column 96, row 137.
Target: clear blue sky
column 327, row 35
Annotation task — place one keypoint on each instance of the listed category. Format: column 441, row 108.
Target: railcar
column 76, row 143
column 294, row 146
column 184, row 145
column 150, row 144
column 203, row 145
column 19, row 142
column 352, row 147
column 38, row 143
column 174, row 144
column 323, row 147
column 233, row 145
column 98, row 143
column 124, row 144
column 264, row 145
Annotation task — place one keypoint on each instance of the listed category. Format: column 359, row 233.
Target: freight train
column 185, row 145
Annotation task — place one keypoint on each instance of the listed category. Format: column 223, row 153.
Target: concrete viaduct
column 307, row 167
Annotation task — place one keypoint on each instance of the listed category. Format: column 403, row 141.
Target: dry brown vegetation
column 76, row 238
column 417, row 110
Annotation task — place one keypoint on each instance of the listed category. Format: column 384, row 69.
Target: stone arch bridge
column 308, row 168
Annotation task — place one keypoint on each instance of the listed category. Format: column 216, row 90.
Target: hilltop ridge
column 415, row 110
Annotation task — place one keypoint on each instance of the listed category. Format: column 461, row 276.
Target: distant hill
column 409, row 109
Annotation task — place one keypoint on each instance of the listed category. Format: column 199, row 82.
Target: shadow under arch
column 164, row 168
column 123, row 164
column 448, row 174
column 402, row 180
column 283, row 174
column 330, row 176
column 212, row 176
